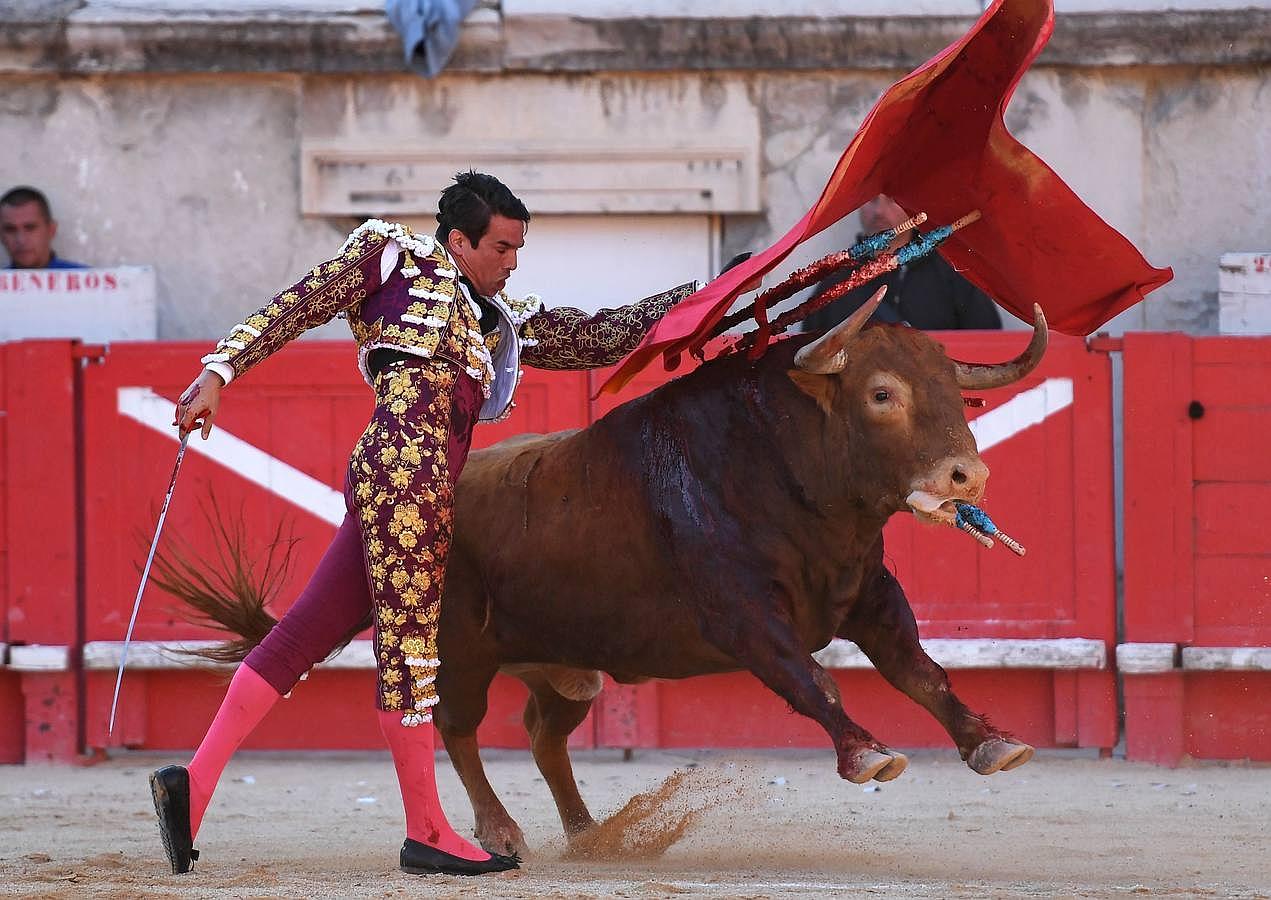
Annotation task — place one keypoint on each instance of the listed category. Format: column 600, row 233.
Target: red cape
column 936, row 143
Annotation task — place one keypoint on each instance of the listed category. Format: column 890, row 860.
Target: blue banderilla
column 976, row 522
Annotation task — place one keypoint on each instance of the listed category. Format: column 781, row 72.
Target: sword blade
column 145, row 575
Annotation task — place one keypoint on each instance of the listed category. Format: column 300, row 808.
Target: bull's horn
column 827, row 355
column 975, row 377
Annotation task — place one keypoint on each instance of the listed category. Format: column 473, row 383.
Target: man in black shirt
column 926, row 293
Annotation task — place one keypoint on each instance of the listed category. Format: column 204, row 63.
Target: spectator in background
column 927, row 293
column 27, row 229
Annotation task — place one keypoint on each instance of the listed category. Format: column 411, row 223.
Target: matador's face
column 489, row 263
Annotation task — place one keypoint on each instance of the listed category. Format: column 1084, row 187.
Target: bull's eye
column 881, row 396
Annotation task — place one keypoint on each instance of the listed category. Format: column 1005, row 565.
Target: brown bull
column 729, row 520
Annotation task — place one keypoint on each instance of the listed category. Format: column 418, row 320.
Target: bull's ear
column 827, row 355
column 818, row 387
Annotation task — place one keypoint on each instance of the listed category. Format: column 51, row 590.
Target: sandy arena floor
column 771, row 825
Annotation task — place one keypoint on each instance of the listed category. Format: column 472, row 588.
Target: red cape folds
column 936, row 143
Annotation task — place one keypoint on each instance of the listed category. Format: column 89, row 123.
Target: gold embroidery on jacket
column 567, row 338
column 329, row 289
column 522, row 308
column 437, row 322
column 400, row 475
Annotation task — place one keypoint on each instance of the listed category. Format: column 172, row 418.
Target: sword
column 145, row 575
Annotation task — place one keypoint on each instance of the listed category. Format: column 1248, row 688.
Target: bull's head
column 893, row 398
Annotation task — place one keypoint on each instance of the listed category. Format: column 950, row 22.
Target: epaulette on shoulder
column 435, row 265
column 419, row 245
column 523, row 309
column 440, row 255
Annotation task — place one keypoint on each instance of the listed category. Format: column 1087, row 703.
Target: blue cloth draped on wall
column 429, row 30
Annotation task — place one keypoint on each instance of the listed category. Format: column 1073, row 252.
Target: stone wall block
column 1207, row 141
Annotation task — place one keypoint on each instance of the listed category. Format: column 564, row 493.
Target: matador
column 441, row 344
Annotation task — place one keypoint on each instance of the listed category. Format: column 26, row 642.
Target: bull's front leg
column 882, row 624
column 738, row 611
column 770, row 649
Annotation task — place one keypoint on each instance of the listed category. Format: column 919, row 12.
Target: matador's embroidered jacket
column 402, row 290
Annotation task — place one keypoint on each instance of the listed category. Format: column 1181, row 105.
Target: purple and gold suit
column 436, row 374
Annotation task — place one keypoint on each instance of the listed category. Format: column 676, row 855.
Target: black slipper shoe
column 170, row 787
column 420, row 859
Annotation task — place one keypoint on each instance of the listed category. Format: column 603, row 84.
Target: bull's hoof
column 865, row 765
column 504, row 839
column 997, row 755
column 893, row 769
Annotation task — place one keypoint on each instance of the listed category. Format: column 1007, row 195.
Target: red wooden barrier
column 41, row 502
column 11, row 706
column 1197, row 564
column 1051, row 489
column 302, row 411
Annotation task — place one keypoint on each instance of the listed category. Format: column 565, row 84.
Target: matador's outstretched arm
column 568, row 338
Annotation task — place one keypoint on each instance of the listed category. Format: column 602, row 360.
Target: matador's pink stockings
column 412, row 749
column 248, row 699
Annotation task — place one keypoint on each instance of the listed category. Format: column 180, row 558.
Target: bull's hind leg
column 882, row 624
column 550, row 718
column 463, row 691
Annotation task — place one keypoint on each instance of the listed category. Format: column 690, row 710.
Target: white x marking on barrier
column 1021, row 412
column 145, row 406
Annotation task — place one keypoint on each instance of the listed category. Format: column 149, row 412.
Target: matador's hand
column 199, row 403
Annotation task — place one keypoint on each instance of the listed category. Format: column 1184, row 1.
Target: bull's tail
column 227, row 589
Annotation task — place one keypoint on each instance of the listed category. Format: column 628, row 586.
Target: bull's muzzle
column 953, row 479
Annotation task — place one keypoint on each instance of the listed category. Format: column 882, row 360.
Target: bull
column 729, row 520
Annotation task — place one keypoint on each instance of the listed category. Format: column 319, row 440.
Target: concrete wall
column 198, row 173
column 196, row 176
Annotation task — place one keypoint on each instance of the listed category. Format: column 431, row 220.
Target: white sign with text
column 114, row 304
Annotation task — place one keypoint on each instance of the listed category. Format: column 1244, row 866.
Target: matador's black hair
column 469, row 203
